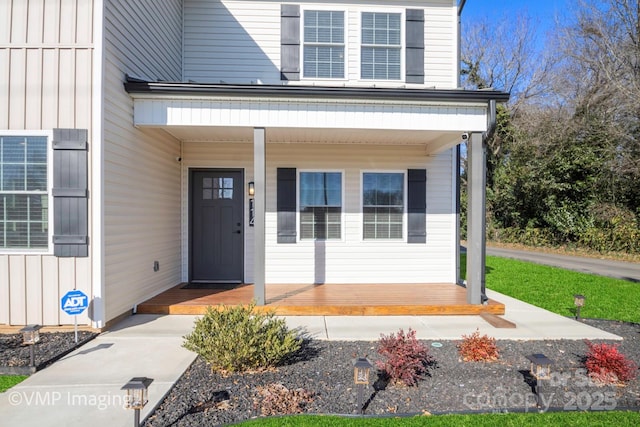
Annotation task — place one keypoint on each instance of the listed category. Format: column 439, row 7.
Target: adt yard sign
column 74, row 302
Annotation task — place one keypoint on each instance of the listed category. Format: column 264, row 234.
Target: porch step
column 497, row 321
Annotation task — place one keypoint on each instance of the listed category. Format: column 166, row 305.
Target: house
column 148, row 143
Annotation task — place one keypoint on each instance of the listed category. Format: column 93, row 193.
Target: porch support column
column 259, row 178
column 476, row 219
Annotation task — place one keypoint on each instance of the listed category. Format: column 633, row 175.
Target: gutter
column 135, row 86
column 461, row 6
column 491, row 120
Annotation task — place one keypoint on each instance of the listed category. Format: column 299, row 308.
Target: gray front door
column 217, row 225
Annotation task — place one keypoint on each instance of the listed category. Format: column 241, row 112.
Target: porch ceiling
column 432, row 140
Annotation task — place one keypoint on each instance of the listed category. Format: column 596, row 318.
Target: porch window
column 323, row 44
column 24, row 198
column 382, row 205
column 320, row 205
column 381, row 46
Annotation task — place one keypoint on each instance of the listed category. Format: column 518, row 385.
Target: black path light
column 540, row 370
column 137, row 395
column 361, row 372
column 578, row 300
column 30, row 336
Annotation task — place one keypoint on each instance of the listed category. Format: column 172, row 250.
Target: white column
column 259, row 178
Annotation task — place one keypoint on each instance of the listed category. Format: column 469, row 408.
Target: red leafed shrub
column 405, row 359
column 476, row 348
column 606, row 364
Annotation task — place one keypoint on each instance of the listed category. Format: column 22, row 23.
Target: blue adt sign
column 74, row 302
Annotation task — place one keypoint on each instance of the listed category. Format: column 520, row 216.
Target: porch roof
column 312, row 114
column 136, row 86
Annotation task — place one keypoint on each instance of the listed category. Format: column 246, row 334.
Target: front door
column 217, row 225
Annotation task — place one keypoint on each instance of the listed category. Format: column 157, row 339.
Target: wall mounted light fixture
column 252, row 189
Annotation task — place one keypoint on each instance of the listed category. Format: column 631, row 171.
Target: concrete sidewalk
column 83, row 388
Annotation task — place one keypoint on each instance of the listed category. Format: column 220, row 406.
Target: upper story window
column 320, row 205
column 380, row 57
column 323, row 44
column 382, row 205
column 24, row 198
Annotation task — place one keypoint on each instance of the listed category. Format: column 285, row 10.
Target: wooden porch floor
column 327, row 300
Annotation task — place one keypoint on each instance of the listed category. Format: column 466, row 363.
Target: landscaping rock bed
column 323, row 369
column 15, row 357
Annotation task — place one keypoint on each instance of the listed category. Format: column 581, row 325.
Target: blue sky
column 542, row 12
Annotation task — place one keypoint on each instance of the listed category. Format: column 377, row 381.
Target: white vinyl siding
column 237, row 41
column 350, row 259
column 141, row 198
column 46, row 70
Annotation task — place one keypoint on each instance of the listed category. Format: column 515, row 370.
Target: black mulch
column 52, row 345
column 203, row 398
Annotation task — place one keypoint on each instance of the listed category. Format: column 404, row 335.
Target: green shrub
column 237, row 338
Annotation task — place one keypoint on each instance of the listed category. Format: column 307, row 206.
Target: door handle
column 238, row 231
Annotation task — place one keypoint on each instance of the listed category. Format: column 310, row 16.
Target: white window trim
column 403, row 44
column 342, row 206
column 405, row 217
column 49, row 249
column 303, row 10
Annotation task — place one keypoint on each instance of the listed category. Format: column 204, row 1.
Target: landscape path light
column 361, row 372
column 578, row 300
column 540, row 370
column 30, row 336
column 137, row 396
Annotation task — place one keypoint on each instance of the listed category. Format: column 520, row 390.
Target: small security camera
column 465, row 136
column 178, row 159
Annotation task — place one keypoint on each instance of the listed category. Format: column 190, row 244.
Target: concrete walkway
column 83, row 388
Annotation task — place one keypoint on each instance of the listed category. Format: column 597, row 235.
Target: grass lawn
column 8, row 381
column 504, row 420
column 553, row 288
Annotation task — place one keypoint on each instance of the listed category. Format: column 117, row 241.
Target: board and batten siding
column 238, row 41
column 350, row 260
column 46, row 66
column 141, row 175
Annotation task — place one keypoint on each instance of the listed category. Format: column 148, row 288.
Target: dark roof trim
column 137, row 86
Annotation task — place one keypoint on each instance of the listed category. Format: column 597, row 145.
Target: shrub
column 236, row 338
column 607, row 365
column 406, row 359
column 478, row 348
column 276, row 399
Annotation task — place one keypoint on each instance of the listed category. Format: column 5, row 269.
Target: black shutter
column 70, row 204
column 286, row 205
column 415, row 46
column 289, row 42
column 417, row 206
